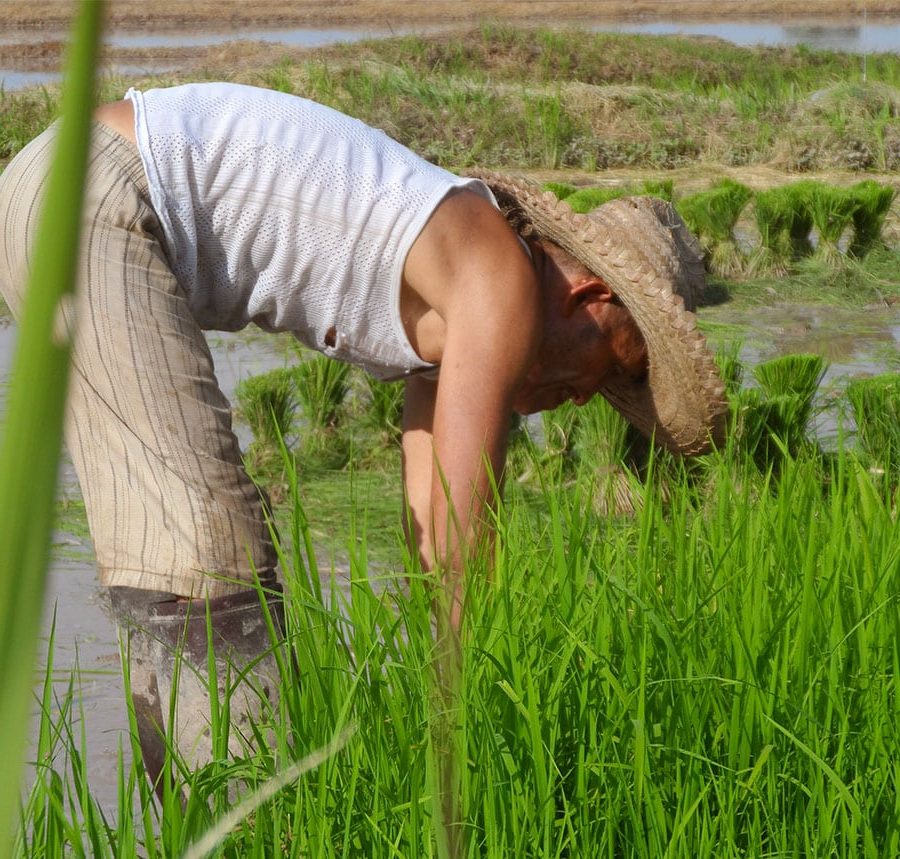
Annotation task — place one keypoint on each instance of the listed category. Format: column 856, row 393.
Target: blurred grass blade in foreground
column 32, row 434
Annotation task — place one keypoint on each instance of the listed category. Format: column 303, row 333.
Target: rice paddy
column 710, row 672
column 660, row 659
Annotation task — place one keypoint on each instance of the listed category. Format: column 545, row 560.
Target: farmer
column 212, row 206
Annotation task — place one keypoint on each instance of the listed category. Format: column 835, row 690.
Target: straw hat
column 648, row 257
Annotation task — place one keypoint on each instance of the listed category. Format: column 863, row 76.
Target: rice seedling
column 560, row 426
column 831, row 210
column 873, row 201
column 322, row 386
column 561, row 189
column 583, row 200
column 549, row 128
column 605, row 447
column 521, row 451
column 731, row 368
column 268, row 404
column 711, row 215
column 715, row 677
column 875, row 408
column 32, row 434
column 662, row 188
column 384, row 409
column 785, row 224
column 772, row 421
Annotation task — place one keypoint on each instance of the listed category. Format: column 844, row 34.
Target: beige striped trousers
column 169, row 505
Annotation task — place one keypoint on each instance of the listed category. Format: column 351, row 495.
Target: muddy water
column 854, row 342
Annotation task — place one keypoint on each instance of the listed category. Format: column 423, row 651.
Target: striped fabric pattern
column 169, row 505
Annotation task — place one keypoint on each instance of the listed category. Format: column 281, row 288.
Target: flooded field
column 858, row 36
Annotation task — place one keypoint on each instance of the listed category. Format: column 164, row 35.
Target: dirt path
column 227, row 14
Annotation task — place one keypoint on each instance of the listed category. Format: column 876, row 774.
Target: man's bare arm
column 491, row 308
column 418, row 458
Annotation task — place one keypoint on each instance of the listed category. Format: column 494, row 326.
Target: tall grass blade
column 219, row 831
column 33, row 434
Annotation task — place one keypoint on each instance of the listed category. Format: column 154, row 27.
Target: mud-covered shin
column 168, row 654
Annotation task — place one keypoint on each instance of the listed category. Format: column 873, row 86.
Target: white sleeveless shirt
column 282, row 212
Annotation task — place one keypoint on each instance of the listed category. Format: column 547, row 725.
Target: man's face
column 589, row 340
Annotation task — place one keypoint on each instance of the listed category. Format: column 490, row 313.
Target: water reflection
column 854, row 37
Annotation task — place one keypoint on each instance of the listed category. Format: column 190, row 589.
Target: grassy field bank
column 596, row 110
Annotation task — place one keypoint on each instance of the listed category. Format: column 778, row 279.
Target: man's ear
column 586, row 291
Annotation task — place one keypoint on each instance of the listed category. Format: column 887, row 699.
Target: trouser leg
column 166, row 640
column 170, row 507
column 169, row 504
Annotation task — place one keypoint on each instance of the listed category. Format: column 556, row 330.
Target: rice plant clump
column 831, row 210
column 873, row 202
column 604, row 441
column 268, row 404
column 560, row 189
column 380, row 419
column 560, row 427
column 322, row 386
column 584, row 200
column 875, row 406
column 784, row 223
column 711, row 215
column 772, row 421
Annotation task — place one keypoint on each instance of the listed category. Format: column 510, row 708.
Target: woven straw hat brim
column 642, row 250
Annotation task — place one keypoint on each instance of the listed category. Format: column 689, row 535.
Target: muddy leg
column 159, row 628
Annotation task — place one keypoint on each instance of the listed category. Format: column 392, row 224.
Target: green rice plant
column 322, row 385
column 711, row 215
column 875, row 407
column 522, row 453
column 268, row 404
column 664, row 189
column 384, row 409
column 772, row 421
column 560, row 426
column 585, row 199
column 561, row 189
column 873, row 201
column 731, row 368
column 715, row 676
column 832, row 212
column 32, row 435
column 604, row 444
column 549, row 127
column 784, row 223
column 377, row 422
